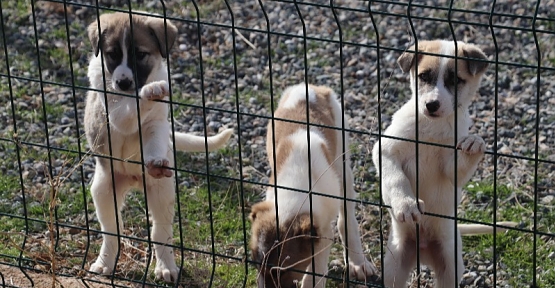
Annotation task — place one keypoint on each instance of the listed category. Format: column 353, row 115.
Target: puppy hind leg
column 161, row 203
column 400, row 259
column 359, row 267
column 443, row 262
column 102, row 191
column 322, row 254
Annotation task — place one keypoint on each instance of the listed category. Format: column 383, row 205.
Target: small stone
column 547, row 200
column 74, row 231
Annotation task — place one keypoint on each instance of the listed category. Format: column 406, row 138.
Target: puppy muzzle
column 124, row 84
column 432, row 107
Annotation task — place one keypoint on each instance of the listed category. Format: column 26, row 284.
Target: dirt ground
column 14, row 277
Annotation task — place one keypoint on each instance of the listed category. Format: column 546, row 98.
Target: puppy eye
column 450, row 81
column 112, row 54
column 140, row 55
column 425, row 77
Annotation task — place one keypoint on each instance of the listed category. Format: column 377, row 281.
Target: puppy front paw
column 472, row 145
column 159, row 168
column 362, row 271
column 155, row 90
column 408, row 210
column 166, row 271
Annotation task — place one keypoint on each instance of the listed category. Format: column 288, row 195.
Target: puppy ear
column 163, row 37
column 260, row 208
column 477, row 66
column 94, row 37
column 407, row 59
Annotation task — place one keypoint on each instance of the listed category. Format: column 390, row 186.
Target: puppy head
column 293, row 249
column 129, row 59
column 438, row 82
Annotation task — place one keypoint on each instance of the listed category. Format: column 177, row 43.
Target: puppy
column 289, row 246
column 438, row 106
column 128, row 61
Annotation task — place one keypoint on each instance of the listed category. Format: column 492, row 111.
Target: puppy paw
column 166, row 271
column 408, row 210
column 362, row 271
column 158, row 168
column 472, row 145
column 155, row 90
column 100, row 267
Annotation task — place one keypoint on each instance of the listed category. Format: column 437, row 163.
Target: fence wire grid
column 229, row 64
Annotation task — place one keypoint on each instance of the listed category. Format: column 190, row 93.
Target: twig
column 245, row 39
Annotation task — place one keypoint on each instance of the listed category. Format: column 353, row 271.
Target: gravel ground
column 505, row 111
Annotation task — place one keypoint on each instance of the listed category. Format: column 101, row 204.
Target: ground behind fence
column 237, row 57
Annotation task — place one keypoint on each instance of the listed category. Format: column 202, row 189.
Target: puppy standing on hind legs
column 440, row 91
column 296, row 234
column 130, row 63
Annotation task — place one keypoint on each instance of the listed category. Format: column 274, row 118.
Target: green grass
column 34, row 201
column 224, row 200
column 215, row 216
column 228, row 236
column 225, row 228
column 514, row 250
column 9, row 185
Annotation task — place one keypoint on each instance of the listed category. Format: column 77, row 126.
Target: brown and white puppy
column 127, row 60
column 296, row 234
column 441, row 91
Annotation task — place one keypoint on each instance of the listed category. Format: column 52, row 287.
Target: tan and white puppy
column 296, row 234
column 441, row 91
column 126, row 62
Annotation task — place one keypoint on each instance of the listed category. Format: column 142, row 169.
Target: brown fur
column 466, row 68
column 295, row 241
column 148, row 32
column 134, row 66
column 417, row 187
column 289, row 248
column 320, row 114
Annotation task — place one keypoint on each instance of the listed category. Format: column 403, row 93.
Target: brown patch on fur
column 474, row 67
column 407, row 60
column 148, row 32
column 320, row 113
column 260, row 208
column 466, row 68
column 292, row 248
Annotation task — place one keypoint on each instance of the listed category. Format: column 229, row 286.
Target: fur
column 296, row 234
column 431, row 109
column 128, row 65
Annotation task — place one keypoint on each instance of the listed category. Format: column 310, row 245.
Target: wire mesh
column 228, row 67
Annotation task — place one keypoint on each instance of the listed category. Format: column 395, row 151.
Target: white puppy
column 438, row 108
column 124, row 64
column 295, row 234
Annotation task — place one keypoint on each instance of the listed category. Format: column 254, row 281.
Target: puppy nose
column 124, row 84
column 432, row 106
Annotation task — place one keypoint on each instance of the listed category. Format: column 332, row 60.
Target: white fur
column 438, row 192
column 125, row 145
column 291, row 202
column 327, row 179
column 123, row 72
column 296, row 94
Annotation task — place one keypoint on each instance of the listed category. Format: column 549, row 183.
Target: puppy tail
column 479, row 229
column 192, row 143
